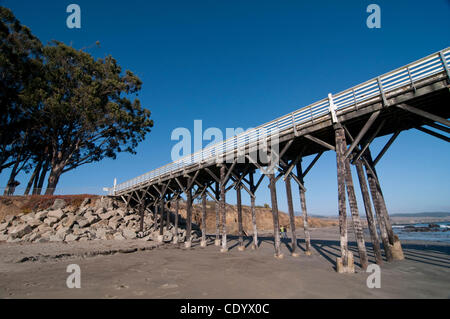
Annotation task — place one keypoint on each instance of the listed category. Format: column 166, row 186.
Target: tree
column 21, row 86
column 90, row 110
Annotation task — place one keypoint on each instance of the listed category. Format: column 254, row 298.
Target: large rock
column 106, row 215
column 9, row 219
column 58, row 204
column 129, row 233
column 85, row 202
column 118, row 236
column 83, row 222
column 58, row 214
column 71, row 237
column 40, row 216
column 20, row 231
column 4, row 226
column 70, row 221
column 27, row 218
column 43, row 228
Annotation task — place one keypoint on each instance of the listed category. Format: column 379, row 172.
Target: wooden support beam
column 369, row 141
column 276, row 223
column 432, row 133
column 424, row 114
column 217, row 206
column 212, row 174
column 188, row 242
column 291, row 166
column 203, row 242
column 223, row 208
column 320, row 142
column 304, row 210
column 386, row 147
column 230, row 170
column 287, row 183
column 397, row 252
column 311, row 165
column 241, row 246
column 345, row 262
column 363, row 132
column 141, row 213
column 161, row 220
column 177, row 207
column 252, row 207
column 438, row 126
column 369, row 214
column 357, row 226
column 376, row 203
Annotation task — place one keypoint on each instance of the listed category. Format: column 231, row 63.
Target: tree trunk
column 10, row 187
column 33, row 178
column 38, row 189
column 53, row 180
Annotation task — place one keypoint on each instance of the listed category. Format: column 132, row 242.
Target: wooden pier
column 411, row 97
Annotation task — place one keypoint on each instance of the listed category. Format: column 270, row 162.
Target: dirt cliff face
column 264, row 220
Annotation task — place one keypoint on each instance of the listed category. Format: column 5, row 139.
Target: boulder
column 71, row 237
column 106, row 215
column 4, row 226
column 118, row 236
column 58, row 204
column 58, row 214
column 83, row 222
column 43, row 228
column 129, row 233
column 20, row 231
column 9, row 219
column 100, row 211
column 85, row 202
column 27, row 218
column 70, row 221
column 40, row 216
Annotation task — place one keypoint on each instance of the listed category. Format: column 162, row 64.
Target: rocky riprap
column 103, row 219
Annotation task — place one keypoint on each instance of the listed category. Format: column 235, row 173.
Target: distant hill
column 424, row 214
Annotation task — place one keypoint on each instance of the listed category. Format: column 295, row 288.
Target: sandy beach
column 141, row 269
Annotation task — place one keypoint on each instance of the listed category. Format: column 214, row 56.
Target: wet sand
column 138, row 269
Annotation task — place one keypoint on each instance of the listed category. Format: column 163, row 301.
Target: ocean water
column 442, row 235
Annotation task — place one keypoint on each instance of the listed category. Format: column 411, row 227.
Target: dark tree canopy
column 87, row 111
column 61, row 107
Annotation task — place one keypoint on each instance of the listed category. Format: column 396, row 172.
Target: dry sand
column 137, row 269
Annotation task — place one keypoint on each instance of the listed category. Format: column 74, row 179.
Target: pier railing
column 350, row 99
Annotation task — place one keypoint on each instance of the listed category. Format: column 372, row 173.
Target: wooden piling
column 216, row 206
column 276, row 224
column 188, row 242
column 356, row 221
column 177, row 207
column 287, row 182
column 340, row 163
column 161, row 220
column 203, row 242
column 381, row 224
column 141, row 211
column 223, row 208
column 304, row 210
column 397, row 252
column 252, row 207
column 241, row 246
column 369, row 214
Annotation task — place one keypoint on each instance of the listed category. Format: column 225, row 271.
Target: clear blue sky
column 243, row 63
